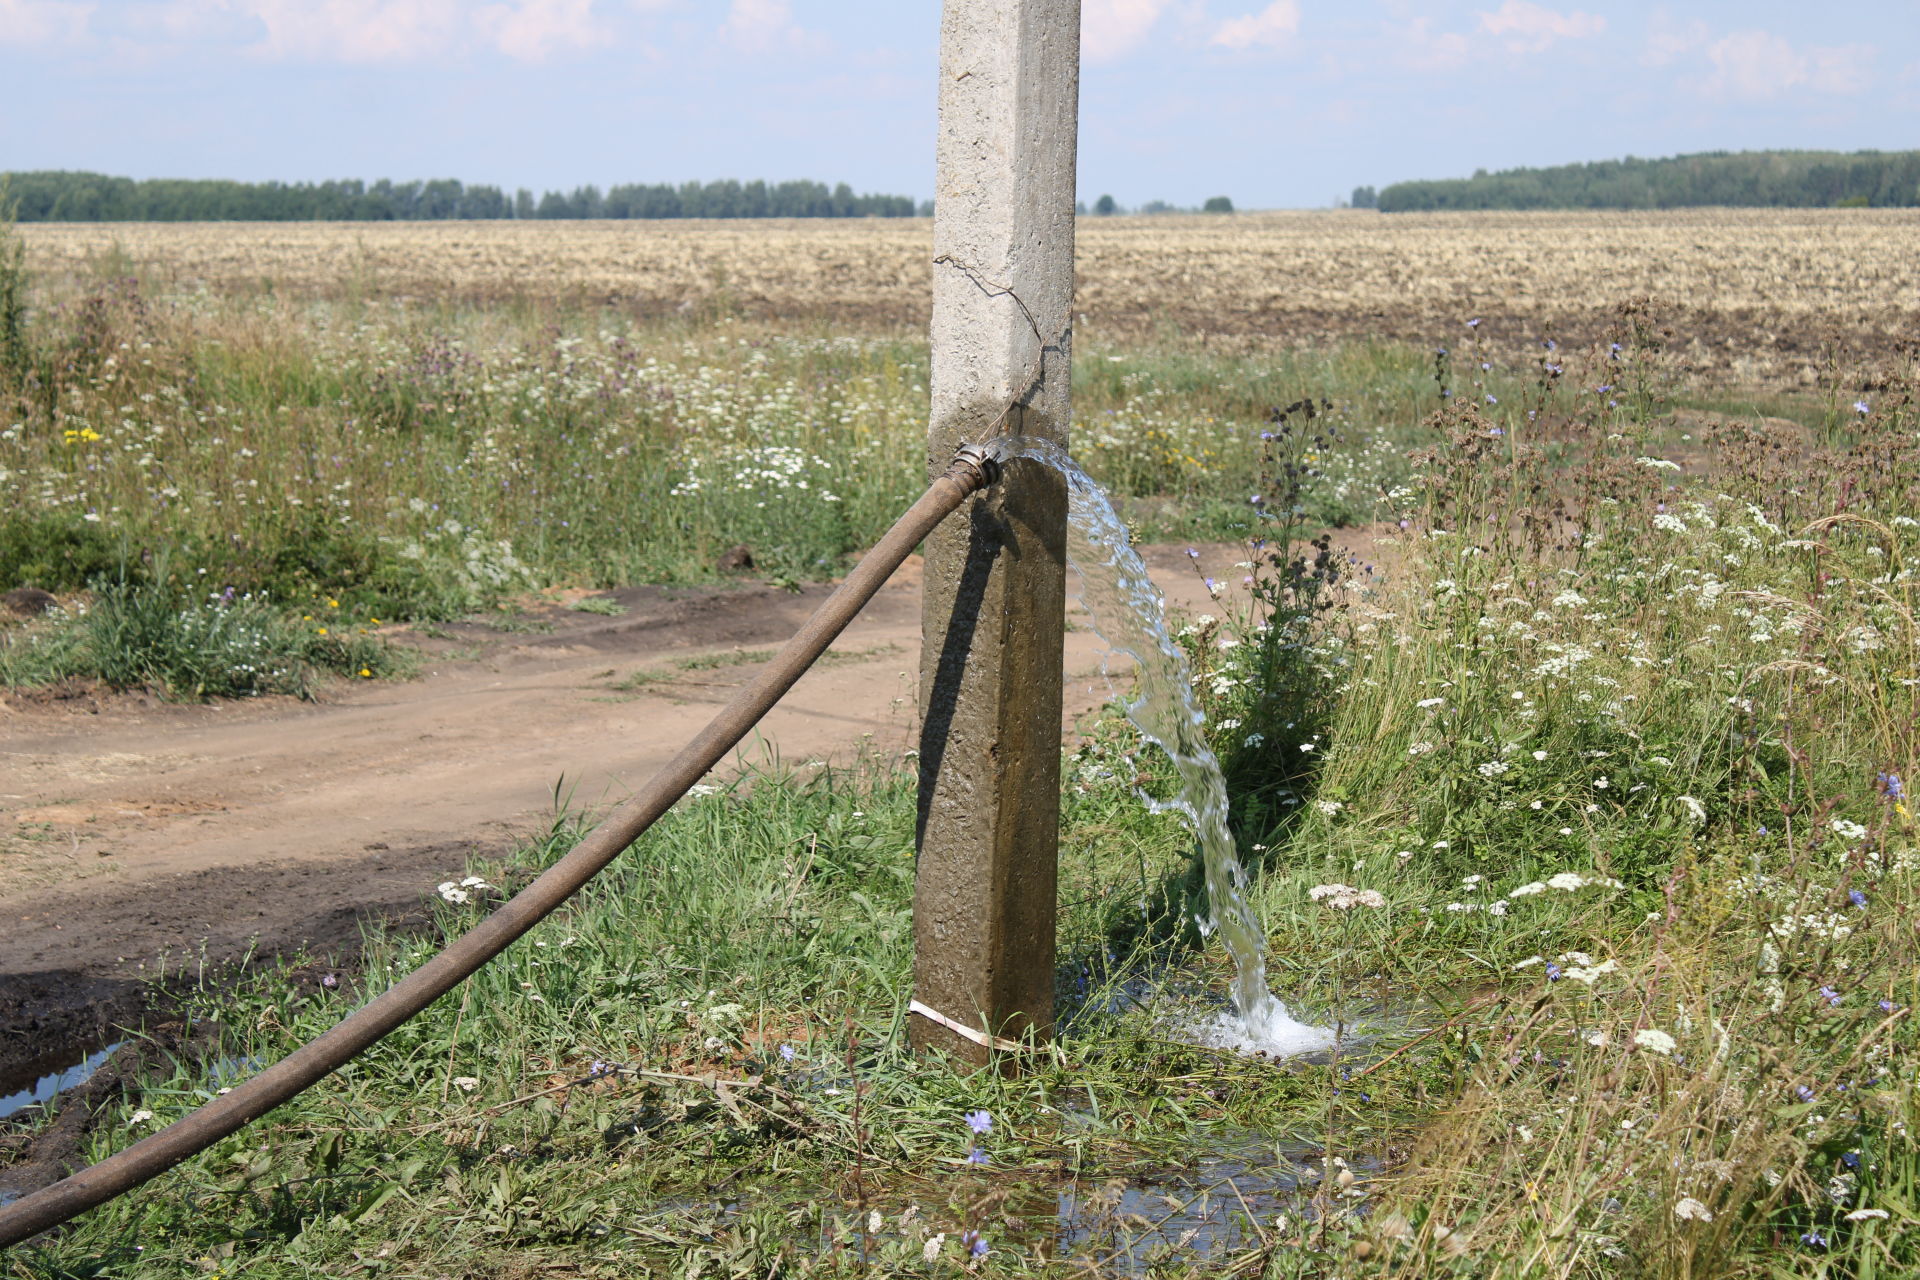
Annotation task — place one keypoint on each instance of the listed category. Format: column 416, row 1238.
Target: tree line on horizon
column 64, row 196
column 1747, row 179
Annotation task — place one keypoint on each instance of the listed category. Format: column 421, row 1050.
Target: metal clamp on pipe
column 981, row 460
column 973, row 469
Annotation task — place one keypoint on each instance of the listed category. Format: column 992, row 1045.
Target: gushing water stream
column 1128, row 614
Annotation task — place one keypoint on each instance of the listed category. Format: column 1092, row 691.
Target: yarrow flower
column 1654, row 1041
column 1345, row 896
column 1686, row 1208
column 457, row 891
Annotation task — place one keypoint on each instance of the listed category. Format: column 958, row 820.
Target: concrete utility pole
column 990, row 659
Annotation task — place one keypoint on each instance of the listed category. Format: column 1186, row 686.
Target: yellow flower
column 366, row 674
column 332, row 603
column 323, row 631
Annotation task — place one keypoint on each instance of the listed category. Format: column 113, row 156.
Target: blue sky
column 1277, row 103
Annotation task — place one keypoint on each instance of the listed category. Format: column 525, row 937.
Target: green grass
column 155, row 635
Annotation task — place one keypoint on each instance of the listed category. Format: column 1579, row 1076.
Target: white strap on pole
column 981, row 1038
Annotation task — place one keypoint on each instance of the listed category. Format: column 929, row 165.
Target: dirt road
column 132, row 829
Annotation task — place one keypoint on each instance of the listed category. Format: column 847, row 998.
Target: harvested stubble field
column 1758, row 292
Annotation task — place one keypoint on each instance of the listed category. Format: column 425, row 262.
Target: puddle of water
column 37, row 1084
column 1231, row 1197
column 1226, row 1201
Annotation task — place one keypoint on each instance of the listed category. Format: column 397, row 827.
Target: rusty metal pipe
column 973, row 468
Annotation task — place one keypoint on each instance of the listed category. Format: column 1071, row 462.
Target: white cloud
column 1845, row 69
column 1668, row 41
column 385, row 30
column 759, row 25
column 39, row 22
column 356, row 30
column 1273, row 25
column 1530, row 28
column 1430, row 50
column 1756, row 64
column 1112, row 28
column 536, row 28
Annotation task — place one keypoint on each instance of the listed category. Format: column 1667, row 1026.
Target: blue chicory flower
column 980, row 1121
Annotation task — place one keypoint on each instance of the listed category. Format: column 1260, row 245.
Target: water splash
column 1129, row 615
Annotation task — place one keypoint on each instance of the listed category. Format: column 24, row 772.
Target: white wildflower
column 466, row 1084
column 1328, row 807
column 1430, row 702
column 140, row 1117
column 1695, row 810
column 1863, row 1215
column 1848, row 830
column 452, row 892
column 1419, row 748
column 1345, row 896
column 1654, row 1041
column 1528, row 890
column 1686, row 1208
column 1581, row 968
column 931, row 1249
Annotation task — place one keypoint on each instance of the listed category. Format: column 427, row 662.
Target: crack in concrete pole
column 995, row 601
